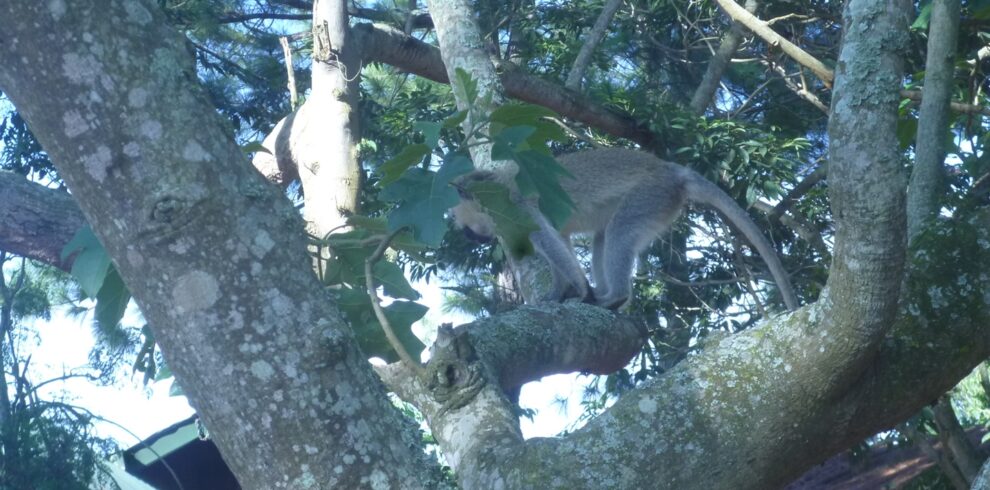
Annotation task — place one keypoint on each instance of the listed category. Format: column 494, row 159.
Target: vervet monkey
column 624, row 199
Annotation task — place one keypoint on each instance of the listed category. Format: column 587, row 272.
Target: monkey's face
column 471, row 218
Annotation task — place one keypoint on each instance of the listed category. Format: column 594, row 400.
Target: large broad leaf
column 91, row 263
column 522, row 114
column 513, row 224
column 430, row 130
column 111, row 301
column 404, row 241
column 348, row 253
column 506, row 143
column 369, row 333
column 392, row 170
column 468, row 84
column 539, row 173
column 423, row 197
column 389, row 276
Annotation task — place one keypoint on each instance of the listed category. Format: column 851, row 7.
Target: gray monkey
column 624, row 199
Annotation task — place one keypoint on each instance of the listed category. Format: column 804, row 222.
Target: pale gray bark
column 866, row 182
column 595, row 36
column 933, row 117
column 317, row 143
column 324, row 134
column 982, row 481
column 462, row 48
column 215, row 256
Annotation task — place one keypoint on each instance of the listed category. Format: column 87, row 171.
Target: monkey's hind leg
column 640, row 218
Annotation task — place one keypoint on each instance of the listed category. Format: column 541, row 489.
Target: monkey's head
column 468, row 214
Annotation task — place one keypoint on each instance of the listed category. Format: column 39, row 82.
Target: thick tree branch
column 866, row 185
column 215, row 256
column 393, row 47
column 36, row 222
column 713, row 401
column 960, row 107
column 933, row 117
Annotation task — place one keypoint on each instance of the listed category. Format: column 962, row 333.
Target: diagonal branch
column 595, row 36
column 760, row 28
column 719, row 63
column 391, row 46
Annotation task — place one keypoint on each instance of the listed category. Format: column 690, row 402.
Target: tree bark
column 955, row 443
column 215, row 256
column 933, row 117
column 216, row 259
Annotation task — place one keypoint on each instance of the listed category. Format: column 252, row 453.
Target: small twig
column 287, row 51
column 574, row 133
column 667, row 278
column 376, row 303
column 748, row 282
column 915, row 96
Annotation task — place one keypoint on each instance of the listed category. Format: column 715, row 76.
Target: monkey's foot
column 612, row 303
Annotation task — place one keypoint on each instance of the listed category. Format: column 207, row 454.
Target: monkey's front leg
column 569, row 280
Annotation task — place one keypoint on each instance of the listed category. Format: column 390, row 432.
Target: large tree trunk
column 214, row 255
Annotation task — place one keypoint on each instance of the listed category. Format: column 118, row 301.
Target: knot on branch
column 454, row 374
column 322, row 47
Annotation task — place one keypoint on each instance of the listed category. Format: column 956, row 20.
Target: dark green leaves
column 345, row 270
column 92, row 262
column 513, row 224
column 409, row 156
column 356, row 306
column 97, row 277
column 423, row 196
column 539, row 174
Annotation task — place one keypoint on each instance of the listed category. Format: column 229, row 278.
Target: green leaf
column 907, row 130
column 924, row 17
column 389, row 275
column 356, row 306
column 751, row 195
column 346, row 264
column 430, row 130
column 513, row 224
column 467, row 84
column 255, row 147
column 410, row 155
column 539, row 174
column 522, row 114
column 455, row 119
column 92, row 262
column 423, row 197
column 510, row 141
column 111, row 301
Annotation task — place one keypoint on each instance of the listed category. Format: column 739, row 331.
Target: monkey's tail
column 701, row 190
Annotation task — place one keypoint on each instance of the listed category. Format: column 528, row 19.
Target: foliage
column 44, row 443
column 420, row 198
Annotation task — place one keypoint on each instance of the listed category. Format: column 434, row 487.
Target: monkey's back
column 605, row 178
